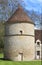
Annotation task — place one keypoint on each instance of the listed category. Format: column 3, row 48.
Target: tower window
column 38, row 52
column 38, row 43
column 21, row 31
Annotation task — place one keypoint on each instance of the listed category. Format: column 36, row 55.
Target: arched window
column 38, row 43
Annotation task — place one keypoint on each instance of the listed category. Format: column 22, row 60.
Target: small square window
column 38, row 52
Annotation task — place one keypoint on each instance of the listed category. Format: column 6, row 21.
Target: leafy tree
column 1, row 36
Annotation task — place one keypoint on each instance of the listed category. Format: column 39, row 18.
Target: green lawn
column 4, row 62
column 1, row 55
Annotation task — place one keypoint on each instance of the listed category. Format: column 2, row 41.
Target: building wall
column 16, row 43
column 38, row 48
column 12, row 29
column 38, row 37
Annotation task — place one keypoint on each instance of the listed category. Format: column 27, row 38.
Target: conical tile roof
column 20, row 16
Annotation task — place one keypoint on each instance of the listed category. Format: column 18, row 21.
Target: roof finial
column 19, row 6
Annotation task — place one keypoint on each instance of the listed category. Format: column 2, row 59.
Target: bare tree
column 7, row 8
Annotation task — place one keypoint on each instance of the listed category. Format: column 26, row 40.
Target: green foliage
column 1, row 35
column 1, row 42
column 1, row 55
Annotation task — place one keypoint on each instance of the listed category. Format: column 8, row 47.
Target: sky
column 35, row 5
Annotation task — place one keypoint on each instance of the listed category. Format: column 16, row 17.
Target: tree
column 1, row 36
column 7, row 8
column 37, row 18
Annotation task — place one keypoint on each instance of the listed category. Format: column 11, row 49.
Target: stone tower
column 19, row 37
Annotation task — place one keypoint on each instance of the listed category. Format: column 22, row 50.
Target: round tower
column 19, row 37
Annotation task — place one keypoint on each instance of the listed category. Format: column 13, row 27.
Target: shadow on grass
column 3, row 59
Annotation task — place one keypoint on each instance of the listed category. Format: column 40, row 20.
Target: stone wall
column 16, row 43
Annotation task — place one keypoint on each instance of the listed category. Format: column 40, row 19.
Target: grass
column 20, row 63
column 5, row 62
column 1, row 55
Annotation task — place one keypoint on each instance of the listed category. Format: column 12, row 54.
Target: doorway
column 20, row 57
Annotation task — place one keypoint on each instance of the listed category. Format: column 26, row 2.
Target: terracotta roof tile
column 20, row 16
column 38, row 35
